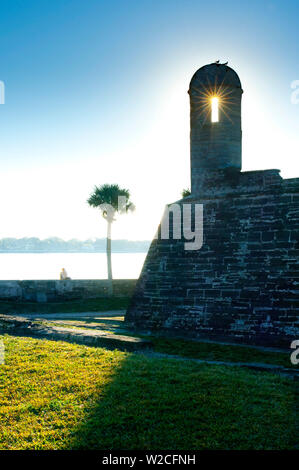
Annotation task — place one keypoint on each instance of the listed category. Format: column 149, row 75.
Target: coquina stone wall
column 242, row 285
column 55, row 291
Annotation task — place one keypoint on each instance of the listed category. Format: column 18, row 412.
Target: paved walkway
column 79, row 316
column 72, row 315
column 20, row 326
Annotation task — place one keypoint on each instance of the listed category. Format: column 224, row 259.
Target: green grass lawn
column 55, row 395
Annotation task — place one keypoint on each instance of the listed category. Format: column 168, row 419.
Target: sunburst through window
column 215, row 109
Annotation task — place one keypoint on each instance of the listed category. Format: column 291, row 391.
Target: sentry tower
column 215, row 118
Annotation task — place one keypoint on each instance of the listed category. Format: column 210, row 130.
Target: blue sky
column 96, row 92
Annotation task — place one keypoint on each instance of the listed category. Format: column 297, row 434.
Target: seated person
column 63, row 275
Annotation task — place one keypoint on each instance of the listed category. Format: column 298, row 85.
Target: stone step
column 19, row 326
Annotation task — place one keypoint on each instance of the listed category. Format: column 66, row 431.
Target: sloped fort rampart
column 242, row 285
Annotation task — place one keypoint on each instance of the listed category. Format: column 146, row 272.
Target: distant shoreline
column 57, row 245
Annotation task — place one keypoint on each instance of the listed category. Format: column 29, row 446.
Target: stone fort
column 242, row 284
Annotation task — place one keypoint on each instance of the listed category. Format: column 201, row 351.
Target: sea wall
column 56, row 291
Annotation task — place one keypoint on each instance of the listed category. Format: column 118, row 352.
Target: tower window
column 215, row 110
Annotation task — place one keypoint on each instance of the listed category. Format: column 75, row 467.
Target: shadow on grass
column 157, row 404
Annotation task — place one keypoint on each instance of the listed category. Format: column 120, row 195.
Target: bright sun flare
column 215, row 110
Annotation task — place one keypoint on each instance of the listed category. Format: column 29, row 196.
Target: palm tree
column 186, row 192
column 110, row 199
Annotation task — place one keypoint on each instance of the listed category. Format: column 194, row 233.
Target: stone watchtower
column 215, row 121
column 241, row 284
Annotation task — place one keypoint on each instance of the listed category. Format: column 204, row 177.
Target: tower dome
column 215, row 118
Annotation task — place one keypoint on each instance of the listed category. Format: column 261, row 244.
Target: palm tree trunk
column 109, row 264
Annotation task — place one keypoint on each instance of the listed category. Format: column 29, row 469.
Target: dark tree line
column 57, row 245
